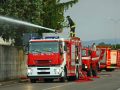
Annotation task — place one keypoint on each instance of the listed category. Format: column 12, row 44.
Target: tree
column 115, row 46
column 49, row 13
column 53, row 12
column 101, row 44
column 26, row 10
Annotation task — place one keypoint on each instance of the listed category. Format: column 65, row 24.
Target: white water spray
column 24, row 23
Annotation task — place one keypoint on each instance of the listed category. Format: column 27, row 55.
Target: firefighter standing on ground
column 93, row 50
column 72, row 26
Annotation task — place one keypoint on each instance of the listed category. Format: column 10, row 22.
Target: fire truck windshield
column 83, row 52
column 86, row 53
column 43, row 47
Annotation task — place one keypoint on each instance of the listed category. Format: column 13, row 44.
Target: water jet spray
column 24, row 23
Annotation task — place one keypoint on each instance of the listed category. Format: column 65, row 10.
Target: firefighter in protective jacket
column 72, row 26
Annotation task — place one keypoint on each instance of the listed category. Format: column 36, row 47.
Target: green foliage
column 116, row 46
column 68, row 4
column 113, row 46
column 26, row 10
column 48, row 13
column 102, row 43
column 53, row 12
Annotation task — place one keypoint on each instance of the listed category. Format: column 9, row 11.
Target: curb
column 23, row 80
column 3, row 83
column 20, row 80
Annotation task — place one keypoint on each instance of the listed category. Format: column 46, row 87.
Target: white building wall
column 2, row 42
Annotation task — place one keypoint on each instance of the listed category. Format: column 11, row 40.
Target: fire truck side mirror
column 61, row 52
column 26, row 49
column 65, row 48
column 89, row 53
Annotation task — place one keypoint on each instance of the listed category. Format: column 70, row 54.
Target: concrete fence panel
column 12, row 63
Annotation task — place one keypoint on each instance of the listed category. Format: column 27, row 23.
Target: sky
column 96, row 19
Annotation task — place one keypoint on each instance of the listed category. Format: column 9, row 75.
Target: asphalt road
column 107, row 81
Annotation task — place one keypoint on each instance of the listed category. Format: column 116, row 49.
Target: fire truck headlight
column 29, row 70
column 57, row 71
column 86, row 66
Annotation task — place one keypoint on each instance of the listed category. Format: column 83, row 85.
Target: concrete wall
column 12, row 63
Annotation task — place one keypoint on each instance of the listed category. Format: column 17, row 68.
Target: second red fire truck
column 90, row 62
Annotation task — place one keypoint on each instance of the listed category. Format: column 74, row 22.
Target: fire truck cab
column 54, row 58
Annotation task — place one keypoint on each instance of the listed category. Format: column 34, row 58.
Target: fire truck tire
column 98, row 67
column 110, row 70
column 77, row 73
column 62, row 79
column 94, row 72
column 33, row 80
column 89, row 73
column 48, row 80
column 71, row 78
column 83, row 67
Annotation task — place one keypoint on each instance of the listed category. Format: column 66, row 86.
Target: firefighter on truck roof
column 72, row 26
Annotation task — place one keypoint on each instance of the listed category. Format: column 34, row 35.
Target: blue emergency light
column 37, row 37
column 52, row 37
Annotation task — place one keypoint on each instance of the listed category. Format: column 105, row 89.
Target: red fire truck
column 118, row 58
column 54, row 58
column 105, row 60
column 90, row 62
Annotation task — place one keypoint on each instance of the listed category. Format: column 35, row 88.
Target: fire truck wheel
column 83, row 67
column 71, row 78
column 33, row 80
column 110, row 69
column 89, row 73
column 48, row 79
column 77, row 73
column 62, row 79
column 94, row 72
column 98, row 67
